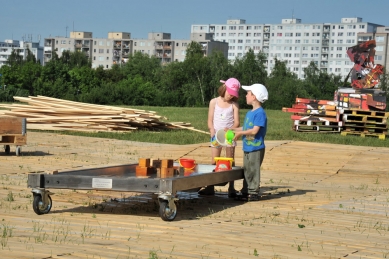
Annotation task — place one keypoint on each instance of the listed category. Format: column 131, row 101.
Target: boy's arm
column 252, row 131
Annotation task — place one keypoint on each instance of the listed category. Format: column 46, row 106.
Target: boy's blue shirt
column 255, row 118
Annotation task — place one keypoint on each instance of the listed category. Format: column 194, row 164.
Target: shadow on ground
column 190, row 205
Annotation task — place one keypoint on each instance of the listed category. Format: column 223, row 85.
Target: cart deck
column 123, row 178
column 13, row 132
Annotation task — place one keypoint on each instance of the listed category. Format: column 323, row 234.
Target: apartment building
column 293, row 41
column 21, row 47
column 116, row 48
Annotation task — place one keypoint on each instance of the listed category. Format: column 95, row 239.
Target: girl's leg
column 210, row 189
column 230, row 152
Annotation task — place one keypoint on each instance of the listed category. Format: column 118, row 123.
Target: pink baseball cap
column 232, row 86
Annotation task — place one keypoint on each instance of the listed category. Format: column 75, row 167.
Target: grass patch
column 279, row 128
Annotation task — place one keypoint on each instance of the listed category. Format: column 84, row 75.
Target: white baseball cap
column 259, row 90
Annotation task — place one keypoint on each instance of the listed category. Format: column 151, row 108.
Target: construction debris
column 46, row 113
column 324, row 116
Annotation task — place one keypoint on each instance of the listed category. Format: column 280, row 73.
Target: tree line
column 143, row 80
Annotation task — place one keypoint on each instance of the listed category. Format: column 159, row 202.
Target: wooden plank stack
column 310, row 115
column 46, row 113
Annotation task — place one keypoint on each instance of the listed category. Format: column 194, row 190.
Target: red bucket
column 187, row 163
column 223, row 163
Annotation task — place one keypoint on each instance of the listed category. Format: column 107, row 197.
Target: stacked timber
column 310, row 115
column 46, row 113
column 365, row 123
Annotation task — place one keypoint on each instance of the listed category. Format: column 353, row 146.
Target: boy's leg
column 252, row 171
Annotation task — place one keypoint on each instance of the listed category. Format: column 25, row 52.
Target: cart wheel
column 7, row 149
column 18, row 150
column 165, row 212
column 37, row 205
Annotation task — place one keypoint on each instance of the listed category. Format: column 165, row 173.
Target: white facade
column 21, row 47
column 118, row 46
column 292, row 41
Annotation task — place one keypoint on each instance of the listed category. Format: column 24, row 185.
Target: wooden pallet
column 364, row 112
column 318, row 128
column 363, row 134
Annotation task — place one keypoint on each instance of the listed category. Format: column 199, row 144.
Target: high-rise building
column 116, row 48
column 20, row 47
column 293, row 41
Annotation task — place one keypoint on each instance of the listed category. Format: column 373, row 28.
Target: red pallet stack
column 315, row 115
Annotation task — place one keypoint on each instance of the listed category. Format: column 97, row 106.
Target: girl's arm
column 236, row 115
column 211, row 111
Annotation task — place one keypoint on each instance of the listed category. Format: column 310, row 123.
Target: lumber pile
column 46, row 113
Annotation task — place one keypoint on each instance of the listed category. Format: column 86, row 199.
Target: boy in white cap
column 253, row 135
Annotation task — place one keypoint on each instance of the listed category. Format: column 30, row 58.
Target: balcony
column 78, row 45
column 126, row 53
column 167, row 47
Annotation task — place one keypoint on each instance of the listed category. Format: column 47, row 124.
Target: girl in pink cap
column 223, row 113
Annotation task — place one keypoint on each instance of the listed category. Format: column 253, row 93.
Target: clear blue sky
column 51, row 17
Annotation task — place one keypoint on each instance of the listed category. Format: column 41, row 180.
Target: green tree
column 283, row 87
column 196, row 65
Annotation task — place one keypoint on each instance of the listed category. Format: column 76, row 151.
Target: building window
column 241, row 28
column 258, row 27
column 338, row 55
column 295, row 69
column 339, row 41
column 361, row 26
column 379, row 48
column 351, row 34
column 248, row 41
column 101, row 50
column 248, row 28
column 306, row 34
column 339, row 48
column 296, row 62
column 279, row 27
column 378, row 57
column 379, row 38
column 232, row 28
column 297, row 41
column 305, row 41
column 340, row 33
column 337, row 70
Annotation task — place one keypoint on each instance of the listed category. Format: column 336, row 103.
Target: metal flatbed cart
column 123, row 178
column 13, row 132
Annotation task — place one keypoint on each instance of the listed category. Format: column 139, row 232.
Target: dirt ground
column 319, row 201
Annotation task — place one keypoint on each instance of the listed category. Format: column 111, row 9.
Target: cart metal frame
column 123, row 178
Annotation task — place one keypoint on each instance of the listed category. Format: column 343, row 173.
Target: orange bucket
column 187, row 163
column 223, row 163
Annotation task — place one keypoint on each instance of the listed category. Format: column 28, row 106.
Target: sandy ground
column 319, row 201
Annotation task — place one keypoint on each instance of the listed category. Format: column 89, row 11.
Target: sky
column 27, row 19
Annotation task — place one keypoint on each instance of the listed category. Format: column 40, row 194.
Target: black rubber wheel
column 165, row 212
column 7, row 149
column 37, row 205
